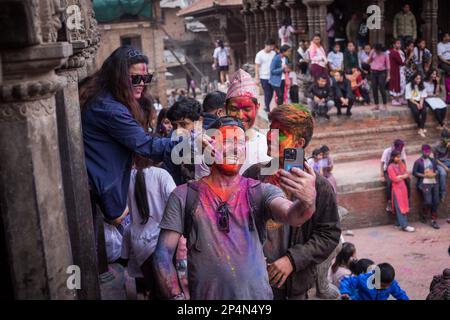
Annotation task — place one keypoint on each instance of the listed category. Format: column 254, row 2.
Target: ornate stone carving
column 31, row 90
column 13, row 112
column 51, row 19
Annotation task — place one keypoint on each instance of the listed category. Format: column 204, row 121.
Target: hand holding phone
column 294, row 158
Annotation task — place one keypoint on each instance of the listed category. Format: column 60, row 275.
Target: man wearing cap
column 242, row 103
column 223, row 217
column 398, row 145
column 425, row 170
column 442, row 154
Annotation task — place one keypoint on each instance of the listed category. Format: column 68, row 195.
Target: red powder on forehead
column 242, row 102
column 144, row 67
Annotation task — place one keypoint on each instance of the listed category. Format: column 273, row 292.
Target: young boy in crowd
column 183, row 114
column 320, row 99
column 426, row 172
column 365, row 286
column 315, row 161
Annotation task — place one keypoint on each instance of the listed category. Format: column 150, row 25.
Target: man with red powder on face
column 223, row 216
column 294, row 252
column 242, row 103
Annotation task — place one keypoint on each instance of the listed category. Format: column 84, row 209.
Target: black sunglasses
column 137, row 79
column 223, row 217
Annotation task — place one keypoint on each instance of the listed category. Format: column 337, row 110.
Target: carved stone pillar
column 31, row 189
column 378, row 35
column 76, row 193
column 257, row 22
column 430, row 15
column 252, row 35
column 317, row 14
column 246, row 13
column 267, row 11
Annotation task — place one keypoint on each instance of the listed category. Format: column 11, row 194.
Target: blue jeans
column 430, row 193
column 402, row 219
column 268, row 93
column 443, row 177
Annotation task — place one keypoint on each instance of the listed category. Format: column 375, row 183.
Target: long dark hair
column 428, row 78
column 343, row 257
column 159, row 127
column 148, row 109
column 394, row 154
column 140, row 188
column 412, row 81
column 114, row 77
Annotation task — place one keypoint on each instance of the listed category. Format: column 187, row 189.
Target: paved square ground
column 416, row 257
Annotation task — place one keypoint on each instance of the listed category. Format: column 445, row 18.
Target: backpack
column 256, row 204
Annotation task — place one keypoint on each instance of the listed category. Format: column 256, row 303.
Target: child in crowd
column 163, row 124
column 433, row 100
column 399, row 193
column 320, row 98
column 314, row 161
column 361, row 266
column 335, row 59
column 365, row 286
column 357, row 82
column 341, row 266
column 303, row 56
column 416, row 94
column 327, row 167
column 148, row 194
column 293, row 84
column 364, row 56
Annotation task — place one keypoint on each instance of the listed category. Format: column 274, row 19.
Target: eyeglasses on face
column 137, row 79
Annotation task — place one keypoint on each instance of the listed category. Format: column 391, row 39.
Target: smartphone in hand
column 294, row 158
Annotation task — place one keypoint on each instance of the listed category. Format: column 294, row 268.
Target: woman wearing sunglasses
column 113, row 124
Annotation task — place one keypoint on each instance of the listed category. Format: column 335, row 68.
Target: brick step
column 342, row 157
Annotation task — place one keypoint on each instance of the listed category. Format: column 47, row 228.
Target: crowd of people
column 196, row 202
column 357, row 72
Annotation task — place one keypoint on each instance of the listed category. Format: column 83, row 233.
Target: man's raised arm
column 302, row 186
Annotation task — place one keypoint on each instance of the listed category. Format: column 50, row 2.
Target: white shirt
column 414, row 94
column 264, row 60
column 304, row 54
column 444, row 50
column 141, row 241
column 336, row 60
column 293, row 78
column 113, row 242
column 363, row 56
column 284, row 33
column 221, row 54
column 386, row 157
column 256, row 149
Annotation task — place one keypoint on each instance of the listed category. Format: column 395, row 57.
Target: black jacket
column 315, row 240
column 320, row 92
column 342, row 89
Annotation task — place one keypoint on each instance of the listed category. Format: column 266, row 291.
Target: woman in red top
column 399, row 197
